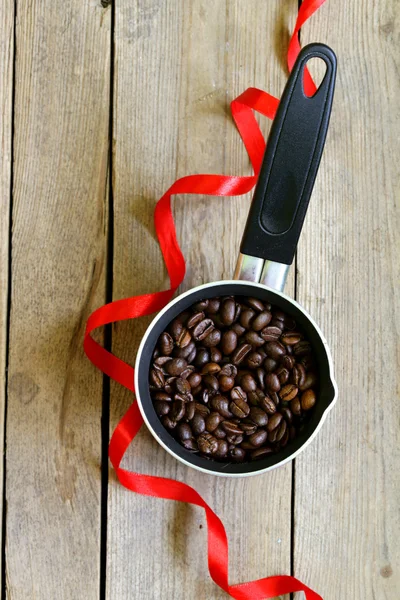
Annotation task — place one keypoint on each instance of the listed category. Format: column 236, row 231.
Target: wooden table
column 101, row 108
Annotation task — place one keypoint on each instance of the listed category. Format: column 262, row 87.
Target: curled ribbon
column 131, row 308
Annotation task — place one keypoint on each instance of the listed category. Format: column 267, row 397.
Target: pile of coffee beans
column 233, row 379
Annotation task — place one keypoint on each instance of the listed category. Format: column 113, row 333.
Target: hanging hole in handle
column 317, row 69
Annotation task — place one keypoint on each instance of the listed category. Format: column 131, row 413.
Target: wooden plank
column 58, row 263
column 6, row 91
column 177, row 67
column 347, row 491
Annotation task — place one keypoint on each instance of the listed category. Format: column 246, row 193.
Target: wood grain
column 58, row 262
column 6, row 92
column 177, row 66
column 347, row 519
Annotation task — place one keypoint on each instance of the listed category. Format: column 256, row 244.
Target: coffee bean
column 182, row 385
column 239, row 407
column 295, row 407
column 202, row 357
column 254, row 339
column 258, row 438
column 207, row 443
column 238, row 329
column 168, row 423
column 169, row 385
column 221, row 405
column 268, row 405
column 261, row 320
column 288, row 361
column 283, row 375
column 290, row 338
column 271, row 333
column 190, row 408
column 162, row 396
column 183, row 317
column 188, row 371
column 183, row 339
column 258, row 416
column 178, row 410
column 228, row 342
column 166, row 344
column 229, row 370
column 228, row 308
column 195, row 319
column 288, row 392
column 213, row 306
column 298, row 375
column 211, row 382
column 240, row 353
column 261, row 453
column 212, row 421
column 157, row 378
column 307, row 361
column 274, row 421
column 222, row 449
column 272, row 382
column 237, row 454
column 219, row 433
column 255, row 303
column 248, row 383
column 310, row 380
column 201, row 409
column 302, row 349
column 198, row 424
column 283, row 442
column 272, row 435
column 184, row 431
column 234, row 439
column 205, row 396
column 226, row 383
column 200, row 306
column 184, row 352
column 231, row 427
column 202, row 329
column 246, row 317
column 156, row 354
column 308, row 399
column 277, row 323
column 237, row 393
column 281, row 430
column 287, row 414
column 176, row 366
column 275, row 350
column 270, row 365
column 190, row 445
column 248, row 428
column 254, row 360
column 176, row 329
column 161, row 407
column 213, row 338
column 194, row 380
column 210, row 368
column 215, row 355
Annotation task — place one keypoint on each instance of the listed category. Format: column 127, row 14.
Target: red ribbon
column 131, row 308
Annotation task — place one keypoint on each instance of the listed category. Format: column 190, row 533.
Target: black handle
column 290, row 163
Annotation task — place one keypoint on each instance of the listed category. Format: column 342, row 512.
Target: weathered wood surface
column 177, row 66
column 60, row 218
column 347, row 517
column 6, row 91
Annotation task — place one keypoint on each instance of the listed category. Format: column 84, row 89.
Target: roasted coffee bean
column 213, row 338
column 255, row 303
column 156, row 354
column 248, row 383
column 182, row 385
column 238, row 329
column 212, row 421
column 246, row 445
column 268, row 405
column 275, row 350
column 175, row 366
column 161, row 407
column 310, row 380
column 202, row 329
column 281, row 430
column 254, row 360
column 211, row 368
column 229, row 370
column 272, row 382
column 176, row 329
column 231, row 427
column 219, row 433
column 184, row 352
column 302, row 349
column 255, row 397
column 261, row 453
column 213, row 306
column 205, row 396
column 228, row 308
column 237, row 393
column 239, row 407
column 307, row 361
column 283, row 375
column 211, row 382
column 168, row 422
column 202, row 357
column 254, row 339
column 184, row 316
column 290, row 323
column 184, row 431
column 183, row 339
column 261, row 320
column 169, row 385
column 285, row 438
column 228, row 342
column 246, row 317
column 295, row 407
column 157, row 378
column 194, row 380
column 200, row 306
column 222, row 450
column 207, row 443
column 271, row 333
column 274, row 421
column 178, row 410
column 240, row 353
column 290, row 338
column 190, row 408
column 195, row 319
column 298, row 375
column 288, row 392
column 279, row 314
column 237, row 454
column 308, row 399
column 270, row 365
column 287, row 414
column 221, row 405
column 248, row 428
column 198, row 424
column 226, row 383
column 166, row 344
column 258, row 438
column 201, row 409
column 234, row 439
column 196, row 390
column 272, row 435
column 288, row 361
column 215, row 355
column 190, row 445
column 258, row 416
column 162, row 396
column 188, row 371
